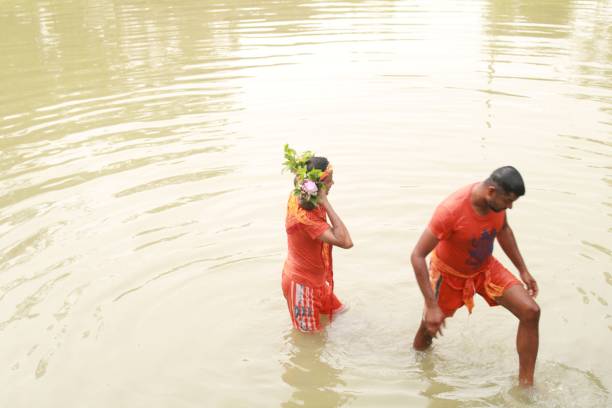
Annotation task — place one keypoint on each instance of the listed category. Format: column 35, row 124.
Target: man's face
column 498, row 200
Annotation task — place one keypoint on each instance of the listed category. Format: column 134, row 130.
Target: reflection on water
column 315, row 382
column 141, row 146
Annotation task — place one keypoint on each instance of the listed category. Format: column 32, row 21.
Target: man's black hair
column 508, row 179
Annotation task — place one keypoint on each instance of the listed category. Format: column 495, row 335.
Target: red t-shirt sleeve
column 441, row 224
column 316, row 224
column 314, row 231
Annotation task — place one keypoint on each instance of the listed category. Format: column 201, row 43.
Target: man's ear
column 491, row 190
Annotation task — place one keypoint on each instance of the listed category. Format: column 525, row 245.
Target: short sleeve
column 314, row 231
column 316, row 225
column 441, row 224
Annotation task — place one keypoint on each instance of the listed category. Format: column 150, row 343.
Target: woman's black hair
column 317, row 162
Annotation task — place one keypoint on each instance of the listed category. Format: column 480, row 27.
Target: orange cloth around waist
column 438, row 267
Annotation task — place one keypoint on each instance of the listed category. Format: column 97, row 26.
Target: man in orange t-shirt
column 307, row 279
column 461, row 235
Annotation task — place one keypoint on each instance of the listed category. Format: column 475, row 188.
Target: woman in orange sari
column 307, row 281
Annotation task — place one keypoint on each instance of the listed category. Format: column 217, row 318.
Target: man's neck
column 478, row 200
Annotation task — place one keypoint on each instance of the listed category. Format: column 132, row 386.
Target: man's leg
column 517, row 300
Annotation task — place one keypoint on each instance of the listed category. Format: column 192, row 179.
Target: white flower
column 310, row 187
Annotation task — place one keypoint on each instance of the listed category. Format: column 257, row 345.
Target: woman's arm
column 338, row 234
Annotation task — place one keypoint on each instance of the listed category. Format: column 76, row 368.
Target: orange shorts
column 450, row 298
column 306, row 303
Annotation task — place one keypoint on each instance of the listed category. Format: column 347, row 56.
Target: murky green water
column 142, row 204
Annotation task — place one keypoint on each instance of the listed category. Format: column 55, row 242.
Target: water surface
column 142, row 203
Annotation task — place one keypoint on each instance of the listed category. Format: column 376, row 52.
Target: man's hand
column 530, row 282
column 433, row 317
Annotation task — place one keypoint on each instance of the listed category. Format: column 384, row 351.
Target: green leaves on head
column 295, row 163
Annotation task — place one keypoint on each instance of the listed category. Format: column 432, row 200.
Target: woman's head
column 313, row 174
column 319, row 163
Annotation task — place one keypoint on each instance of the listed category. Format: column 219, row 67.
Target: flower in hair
column 310, row 188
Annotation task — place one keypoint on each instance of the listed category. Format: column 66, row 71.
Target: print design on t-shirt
column 482, row 248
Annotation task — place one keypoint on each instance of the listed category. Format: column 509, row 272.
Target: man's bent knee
column 531, row 314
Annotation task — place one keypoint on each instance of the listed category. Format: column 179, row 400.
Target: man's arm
column 433, row 315
column 506, row 240
column 338, row 234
